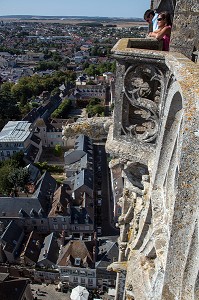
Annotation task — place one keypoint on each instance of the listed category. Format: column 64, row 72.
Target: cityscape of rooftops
column 58, row 199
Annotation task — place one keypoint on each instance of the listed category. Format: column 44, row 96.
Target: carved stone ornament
column 143, row 86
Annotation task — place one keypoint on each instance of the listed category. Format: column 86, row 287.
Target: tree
column 57, row 150
column 94, row 107
column 8, row 104
column 5, row 184
column 18, row 178
column 62, row 110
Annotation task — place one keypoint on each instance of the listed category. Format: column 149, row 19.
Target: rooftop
column 15, row 131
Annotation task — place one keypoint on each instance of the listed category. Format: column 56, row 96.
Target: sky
column 101, row 8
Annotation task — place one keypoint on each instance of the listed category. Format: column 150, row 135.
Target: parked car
column 99, row 201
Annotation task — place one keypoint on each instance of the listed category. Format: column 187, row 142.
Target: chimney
column 63, row 237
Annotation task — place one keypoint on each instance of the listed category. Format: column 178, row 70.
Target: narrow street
column 104, row 212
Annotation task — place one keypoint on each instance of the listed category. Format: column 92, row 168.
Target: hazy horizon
column 60, row 8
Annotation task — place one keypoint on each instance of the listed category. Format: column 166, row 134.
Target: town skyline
column 124, row 9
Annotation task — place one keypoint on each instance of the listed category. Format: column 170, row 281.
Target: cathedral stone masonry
column 153, row 139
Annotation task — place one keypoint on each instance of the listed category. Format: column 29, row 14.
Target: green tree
column 8, row 105
column 5, row 184
column 18, row 178
column 95, row 107
column 57, row 150
column 62, row 110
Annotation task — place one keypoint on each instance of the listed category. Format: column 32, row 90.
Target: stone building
column 153, row 139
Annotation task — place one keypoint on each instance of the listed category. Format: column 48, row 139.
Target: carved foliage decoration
column 143, row 88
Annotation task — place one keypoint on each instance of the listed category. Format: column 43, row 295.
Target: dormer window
column 77, row 261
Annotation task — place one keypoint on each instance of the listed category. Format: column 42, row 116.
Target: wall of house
column 54, row 138
column 39, row 224
column 59, row 223
column 78, row 276
column 105, row 279
column 48, row 277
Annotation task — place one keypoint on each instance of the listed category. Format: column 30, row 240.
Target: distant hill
column 98, row 19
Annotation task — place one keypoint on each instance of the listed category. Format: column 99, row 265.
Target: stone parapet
column 154, row 139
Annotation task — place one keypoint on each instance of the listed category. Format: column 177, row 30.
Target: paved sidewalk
column 48, row 292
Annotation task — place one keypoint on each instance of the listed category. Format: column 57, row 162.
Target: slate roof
column 33, row 246
column 16, row 288
column 80, row 215
column 83, row 143
column 31, row 116
column 50, row 250
column 31, row 153
column 34, row 173
column 86, row 162
column 107, row 251
column 85, row 177
column 35, row 139
column 10, row 207
column 3, row 276
column 45, row 187
column 73, row 156
column 11, row 235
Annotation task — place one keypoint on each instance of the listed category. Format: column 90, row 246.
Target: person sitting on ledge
column 164, row 30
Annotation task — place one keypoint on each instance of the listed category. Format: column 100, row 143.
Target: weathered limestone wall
column 154, row 139
column 162, row 5
column 185, row 31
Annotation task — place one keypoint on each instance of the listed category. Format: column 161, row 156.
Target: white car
column 99, row 201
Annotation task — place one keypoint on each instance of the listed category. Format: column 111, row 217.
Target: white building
column 17, row 136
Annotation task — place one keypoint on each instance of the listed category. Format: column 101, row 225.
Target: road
column 104, row 213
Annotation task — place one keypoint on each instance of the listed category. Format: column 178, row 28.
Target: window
column 8, row 153
column 82, row 273
column 55, row 226
column 82, row 280
column 75, row 279
column 77, row 261
column 64, row 226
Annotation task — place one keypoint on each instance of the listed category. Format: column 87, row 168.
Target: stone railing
column 154, row 140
